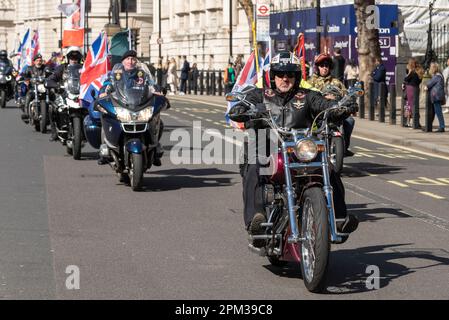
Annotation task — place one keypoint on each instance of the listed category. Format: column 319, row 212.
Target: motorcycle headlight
column 125, row 115
column 8, row 78
column 306, row 150
column 41, row 88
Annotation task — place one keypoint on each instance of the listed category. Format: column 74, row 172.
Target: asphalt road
column 182, row 237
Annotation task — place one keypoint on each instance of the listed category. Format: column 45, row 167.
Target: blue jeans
column 348, row 127
column 439, row 113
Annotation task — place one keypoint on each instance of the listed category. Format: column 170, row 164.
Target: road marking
column 435, row 196
column 401, row 147
column 363, row 149
column 199, row 101
column 403, row 185
column 423, row 181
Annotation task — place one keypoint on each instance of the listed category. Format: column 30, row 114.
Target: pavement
column 436, row 143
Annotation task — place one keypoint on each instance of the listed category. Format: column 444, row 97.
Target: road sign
column 263, row 10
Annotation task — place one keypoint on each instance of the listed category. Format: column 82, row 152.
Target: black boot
column 349, row 225
column 255, row 228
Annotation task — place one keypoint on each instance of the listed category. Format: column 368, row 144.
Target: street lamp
column 430, row 54
column 230, row 28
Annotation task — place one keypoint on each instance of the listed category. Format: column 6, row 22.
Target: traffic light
column 135, row 38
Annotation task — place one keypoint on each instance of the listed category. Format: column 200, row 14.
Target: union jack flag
column 95, row 69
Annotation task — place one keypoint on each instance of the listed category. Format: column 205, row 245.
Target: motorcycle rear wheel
column 315, row 249
column 136, row 171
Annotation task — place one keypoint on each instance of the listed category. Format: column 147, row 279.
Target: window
column 132, row 5
column 88, row 6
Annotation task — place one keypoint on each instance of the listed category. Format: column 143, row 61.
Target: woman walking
column 172, row 76
column 410, row 85
column 437, row 96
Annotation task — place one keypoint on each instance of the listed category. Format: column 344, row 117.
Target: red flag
column 300, row 51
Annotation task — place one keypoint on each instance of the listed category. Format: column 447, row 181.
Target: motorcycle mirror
column 233, row 97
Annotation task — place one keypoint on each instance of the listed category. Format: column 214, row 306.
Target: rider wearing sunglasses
column 323, row 78
column 296, row 108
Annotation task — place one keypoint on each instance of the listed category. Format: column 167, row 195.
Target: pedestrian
column 446, row 85
column 238, row 65
column 194, row 75
column 379, row 76
column 229, row 78
column 184, row 75
column 172, row 76
column 339, row 65
column 437, row 95
column 410, row 85
column 351, row 73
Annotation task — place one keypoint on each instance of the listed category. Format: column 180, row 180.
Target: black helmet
column 3, row 54
column 285, row 61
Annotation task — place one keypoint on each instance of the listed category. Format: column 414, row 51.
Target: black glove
column 237, row 113
column 353, row 108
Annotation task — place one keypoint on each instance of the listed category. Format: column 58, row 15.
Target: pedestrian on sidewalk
column 446, row 85
column 172, row 76
column 229, row 78
column 379, row 76
column 339, row 65
column 410, row 84
column 351, row 73
column 184, row 75
column 437, row 95
column 194, row 74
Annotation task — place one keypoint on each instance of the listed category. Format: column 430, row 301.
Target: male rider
column 74, row 57
column 36, row 70
column 6, row 64
column 323, row 77
column 129, row 70
column 297, row 108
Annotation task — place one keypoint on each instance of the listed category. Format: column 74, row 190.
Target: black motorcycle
column 67, row 112
column 6, row 84
column 38, row 107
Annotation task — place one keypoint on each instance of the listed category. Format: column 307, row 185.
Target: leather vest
column 294, row 114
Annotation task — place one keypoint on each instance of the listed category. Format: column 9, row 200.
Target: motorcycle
column 6, row 84
column 298, row 195
column 130, row 118
column 68, row 113
column 38, row 107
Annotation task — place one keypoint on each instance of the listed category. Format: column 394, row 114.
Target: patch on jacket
column 269, row 93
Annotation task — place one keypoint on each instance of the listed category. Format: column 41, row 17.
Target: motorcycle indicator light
column 306, row 150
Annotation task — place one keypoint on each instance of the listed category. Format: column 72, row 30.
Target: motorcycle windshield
column 72, row 83
column 5, row 68
column 132, row 91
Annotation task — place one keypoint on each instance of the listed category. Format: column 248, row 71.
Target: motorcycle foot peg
column 266, row 224
column 293, row 239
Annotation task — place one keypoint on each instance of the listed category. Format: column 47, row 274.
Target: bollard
column 195, row 85
column 416, row 108
column 220, row 84
column 383, row 100
column 393, row 104
column 202, row 82
column 207, row 83
column 371, row 101
column 189, row 84
column 213, row 83
column 362, row 103
column 430, row 113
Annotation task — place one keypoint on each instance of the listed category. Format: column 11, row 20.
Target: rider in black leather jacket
column 297, row 108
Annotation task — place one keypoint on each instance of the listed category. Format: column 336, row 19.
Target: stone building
column 44, row 16
column 199, row 29
column 7, row 37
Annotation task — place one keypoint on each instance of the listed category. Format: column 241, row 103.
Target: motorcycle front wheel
column 337, row 153
column 316, row 246
column 44, row 117
column 136, row 171
column 2, row 99
column 76, row 138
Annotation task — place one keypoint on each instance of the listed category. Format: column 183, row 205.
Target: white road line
column 199, row 101
column 435, row 196
column 401, row 147
column 403, row 185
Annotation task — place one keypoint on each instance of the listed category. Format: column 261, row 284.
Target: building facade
column 7, row 38
column 44, row 16
column 200, row 30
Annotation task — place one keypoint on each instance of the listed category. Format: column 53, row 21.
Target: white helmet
column 74, row 52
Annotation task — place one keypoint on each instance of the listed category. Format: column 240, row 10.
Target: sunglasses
column 289, row 74
column 323, row 65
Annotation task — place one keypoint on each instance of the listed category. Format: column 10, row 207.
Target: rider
column 7, row 64
column 298, row 106
column 322, row 78
column 74, row 57
column 36, row 70
column 136, row 74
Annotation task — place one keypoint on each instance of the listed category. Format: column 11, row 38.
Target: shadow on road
column 348, row 273
column 362, row 169
column 174, row 179
column 369, row 214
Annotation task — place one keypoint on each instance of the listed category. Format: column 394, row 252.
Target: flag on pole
column 21, row 50
column 96, row 68
column 300, row 52
column 73, row 34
